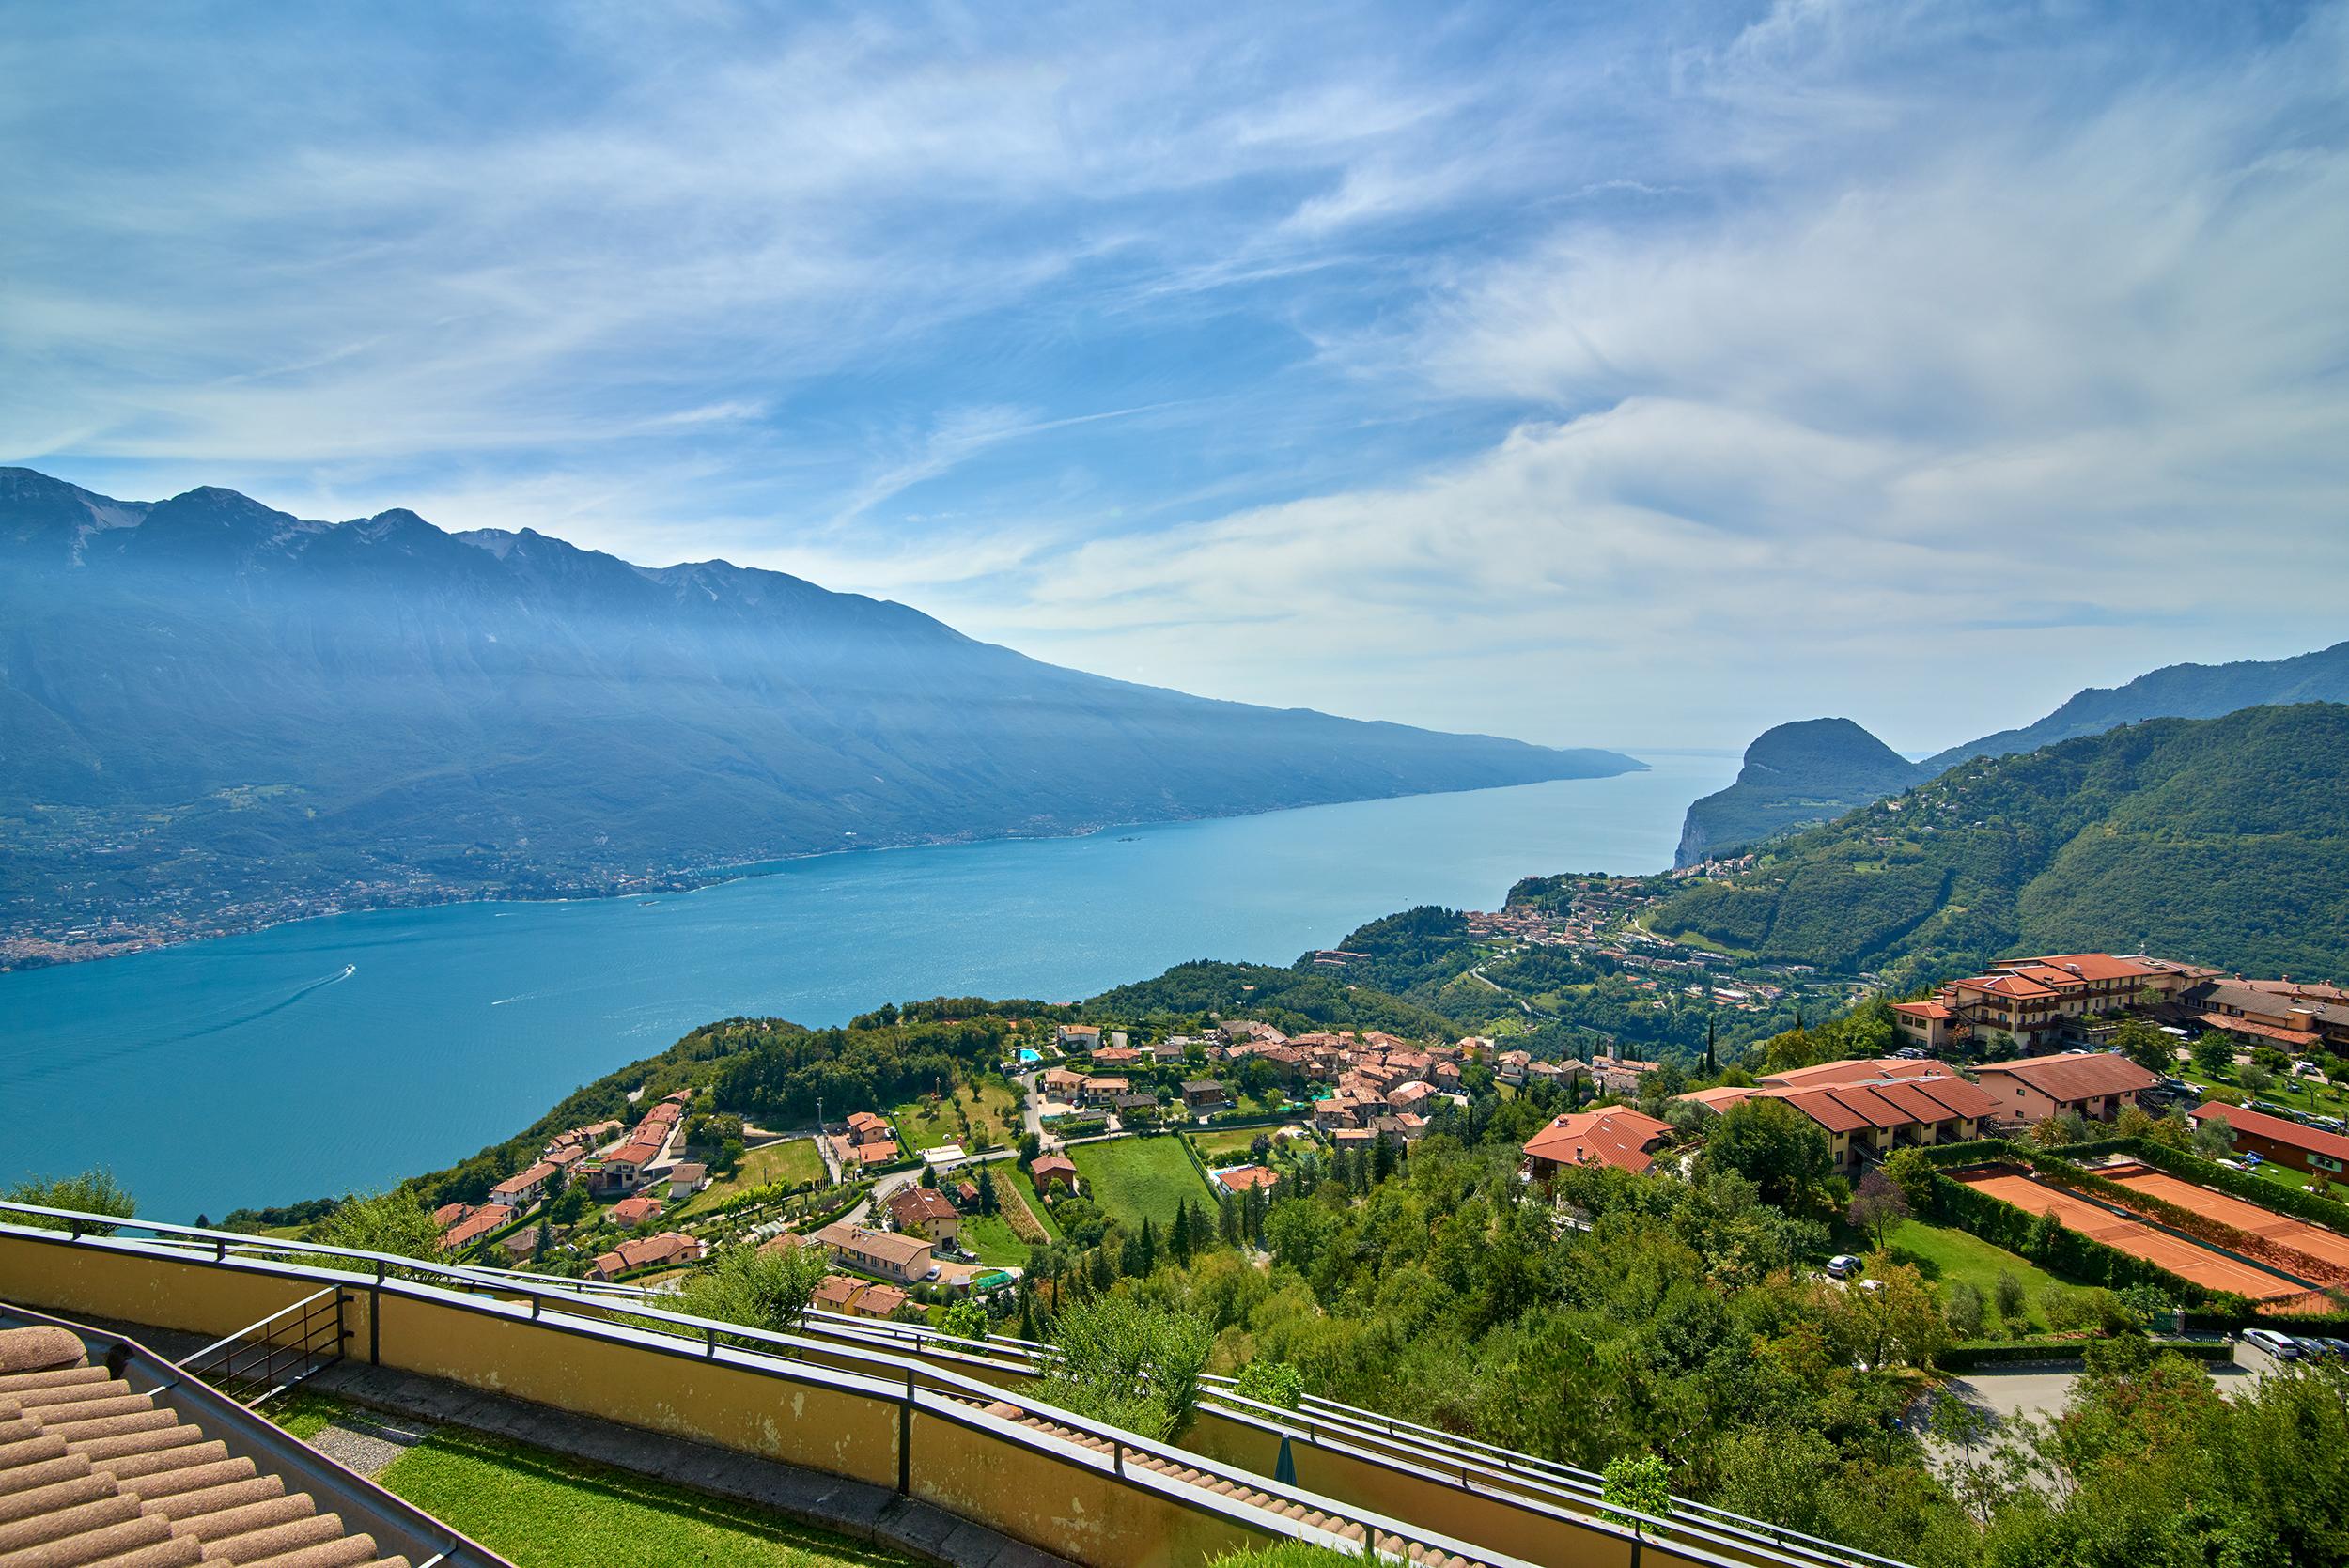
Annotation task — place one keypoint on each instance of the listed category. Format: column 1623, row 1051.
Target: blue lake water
column 342, row 1053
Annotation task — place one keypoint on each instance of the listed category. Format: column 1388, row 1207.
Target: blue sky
column 1611, row 374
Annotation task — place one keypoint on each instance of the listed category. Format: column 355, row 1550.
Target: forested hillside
column 2221, row 840
column 1796, row 773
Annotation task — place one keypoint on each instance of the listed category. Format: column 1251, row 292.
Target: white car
column 1843, row 1265
column 2283, row 1348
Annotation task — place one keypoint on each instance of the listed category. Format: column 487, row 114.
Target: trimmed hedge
column 2237, row 1184
column 1984, row 1353
column 2052, row 1246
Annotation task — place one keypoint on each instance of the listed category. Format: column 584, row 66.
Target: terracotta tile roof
column 1617, row 1136
column 1242, row 1177
column 918, row 1205
column 1052, row 1164
column 1956, row 1096
column 2220, row 1021
column 1825, row 1106
column 1858, row 1069
column 2275, row 1129
column 2094, row 966
column 2069, row 1076
column 95, row 1472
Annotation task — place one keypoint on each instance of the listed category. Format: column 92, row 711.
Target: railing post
column 375, row 1317
column 905, row 1440
column 709, row 1339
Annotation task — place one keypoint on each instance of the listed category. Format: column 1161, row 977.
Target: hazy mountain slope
column 1806, row 771
column 203, row 693
column 2224, row 840
column 1831, row 771
column 2177, row 691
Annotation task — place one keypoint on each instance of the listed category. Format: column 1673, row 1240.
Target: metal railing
column 1468, row 1464
column 258, row 1362
column 898, row 1363
column 399, row 1526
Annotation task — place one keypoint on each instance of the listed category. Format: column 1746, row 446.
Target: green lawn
column 1946, row 1255
column 793, row 1162
column 1224, row 1145
column 544, row 1510
column 1137, row 1178
column 924, row 1124
column 991, row 1237
column 2322, row 1099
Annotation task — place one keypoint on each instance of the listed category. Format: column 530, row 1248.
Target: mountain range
column 213, row 714
column 1815, row 770
column 2223, row 841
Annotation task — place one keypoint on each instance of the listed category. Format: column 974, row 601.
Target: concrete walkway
column 852, row 1508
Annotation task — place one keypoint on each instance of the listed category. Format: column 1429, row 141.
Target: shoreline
column 689, row 881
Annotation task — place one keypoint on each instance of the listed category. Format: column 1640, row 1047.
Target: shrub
column 1961, row 1304
column 1641, row 1482
column 1128, row 1364
column 2008, row 1295
column 1272, row 1383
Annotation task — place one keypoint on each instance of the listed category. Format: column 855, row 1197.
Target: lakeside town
column 1202, row 1129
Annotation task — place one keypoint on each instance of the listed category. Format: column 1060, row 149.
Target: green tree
column 1776, row 1147
column 1877, row 1207
column 2007, row 1291
column 760, row 1288
column 1275, row 1383
column 964, row 1320
column 1129, row 1364
column 2213, row 1138
column 395, row 1222
column 1641, row 1482
column 1912, row 1172
column 93, row 1191
column 2146, row 1046
column 2213, row 1054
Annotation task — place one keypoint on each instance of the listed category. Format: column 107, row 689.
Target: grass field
column 793, row 1162
column 1945, row 1255
column 1223, row 1145
column 544, row 1510
column 925, row 1126
column 991, row 1237
column 1137, row 1178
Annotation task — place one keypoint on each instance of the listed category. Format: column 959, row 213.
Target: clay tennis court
column 2317, row 1242
column 2188, row 1261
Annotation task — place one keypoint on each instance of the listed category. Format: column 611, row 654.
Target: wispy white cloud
column 1650, row 375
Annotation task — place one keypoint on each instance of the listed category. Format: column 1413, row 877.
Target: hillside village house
column 2090, row 1084
column 669, row 1246
column 892, row 1256
column 472, row 1224
column 1204, row 1093
column 1098, row 1090
column 2035, row 1001
column 634, row 1211
column 687, row 1178
column 869, row 1140
column 1617, row 1075
column 1060, row 1083
column 920, row 1211
column 517, row 1192
column 1868, row 1108
column 2288, row 1143
column 1080, row 1038
column 1617, row 1136
column 2274, row 1012
column 1241, row 1179
column 1050, row 1171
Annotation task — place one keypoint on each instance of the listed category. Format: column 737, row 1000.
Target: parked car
column 1843, row 1265
column 2337, row 1350
column 2283, row 1348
